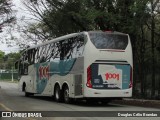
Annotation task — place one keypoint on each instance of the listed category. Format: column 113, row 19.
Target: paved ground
column 13, row 100
column 139, row 102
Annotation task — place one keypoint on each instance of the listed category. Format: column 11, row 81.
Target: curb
column 139, row 102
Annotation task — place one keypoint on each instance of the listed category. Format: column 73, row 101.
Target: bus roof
column 54, row 40
column 71, row 35
column 108, row 32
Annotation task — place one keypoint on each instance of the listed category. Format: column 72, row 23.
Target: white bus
column 92, row 65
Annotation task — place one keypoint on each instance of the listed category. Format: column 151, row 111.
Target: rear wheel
column 57, row 94
column 66, row 95
column 27, row 94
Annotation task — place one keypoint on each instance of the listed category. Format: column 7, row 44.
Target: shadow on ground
column 83, row 103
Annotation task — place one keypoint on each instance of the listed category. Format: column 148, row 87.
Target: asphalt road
column 11, row 99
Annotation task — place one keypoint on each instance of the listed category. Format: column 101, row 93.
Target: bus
column 93, row 65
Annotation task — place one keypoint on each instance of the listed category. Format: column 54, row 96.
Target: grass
column 9, row 80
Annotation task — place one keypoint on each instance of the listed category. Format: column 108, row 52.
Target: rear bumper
column 94, row 93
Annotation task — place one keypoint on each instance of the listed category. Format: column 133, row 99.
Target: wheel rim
column 57, row 94
column 66, row 95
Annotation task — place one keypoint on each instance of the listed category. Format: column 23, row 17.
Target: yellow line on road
column 5, row 107
column 8, row 109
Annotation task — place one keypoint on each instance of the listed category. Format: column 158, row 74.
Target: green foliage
column 5, row 13
column 139, row 18
column 7, row 61
column 63, row 17
column 1, row 54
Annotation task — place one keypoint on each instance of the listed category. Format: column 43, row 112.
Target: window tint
column 109, row 41
column 23, row 63
column 66, row 49
column 72, row 47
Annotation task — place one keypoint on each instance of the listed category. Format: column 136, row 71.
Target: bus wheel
column 26, row 93
column 66, row 95
column 57, row 94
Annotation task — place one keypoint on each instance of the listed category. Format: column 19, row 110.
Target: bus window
column 31, row 56
column 109, row 41
column 37, row 57
column 72, row 47
column 78, row 47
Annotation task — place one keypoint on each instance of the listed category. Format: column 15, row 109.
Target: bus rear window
column 109, row 41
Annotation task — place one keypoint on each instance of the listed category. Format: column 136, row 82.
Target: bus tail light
column 89, row 84
column 131, row 78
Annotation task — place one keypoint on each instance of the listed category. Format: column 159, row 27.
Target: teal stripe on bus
column 45, row 70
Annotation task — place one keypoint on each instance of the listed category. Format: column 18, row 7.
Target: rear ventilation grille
column 78, row 85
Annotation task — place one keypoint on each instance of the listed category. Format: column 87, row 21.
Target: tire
column 57, row 94
column 66, row 95
column 27, row 94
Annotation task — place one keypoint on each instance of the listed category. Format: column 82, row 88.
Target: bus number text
column 110, row 76
column 44, row 72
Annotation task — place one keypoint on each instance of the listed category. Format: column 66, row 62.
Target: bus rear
column 108, row 65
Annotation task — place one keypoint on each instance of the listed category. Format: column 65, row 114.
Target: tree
column 1, row 59
column 138, row 18
column 10, row 60
column 58, row 17
column 5, row 13
column 153, row 27
column 1, row 54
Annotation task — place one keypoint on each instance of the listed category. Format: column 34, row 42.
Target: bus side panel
column 32, row 74
column 63, row 71
column 29, row 80
column 25, row 79
column 71, row 74
column 77, row 72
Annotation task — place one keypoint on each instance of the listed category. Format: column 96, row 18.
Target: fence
column 7, row 75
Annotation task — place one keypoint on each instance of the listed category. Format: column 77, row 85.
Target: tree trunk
column 142, row 72
column 153, row 51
